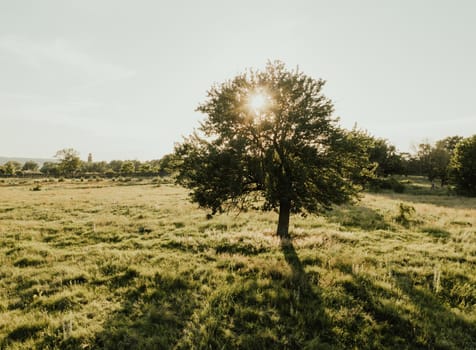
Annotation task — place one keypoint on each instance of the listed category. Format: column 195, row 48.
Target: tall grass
column 88, row 265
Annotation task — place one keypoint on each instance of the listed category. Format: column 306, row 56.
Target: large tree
column 269, row 137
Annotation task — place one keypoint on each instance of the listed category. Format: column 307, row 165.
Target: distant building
column 90, row 158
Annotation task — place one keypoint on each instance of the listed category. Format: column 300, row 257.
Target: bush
column 37, row 187
column 378, row 184
column 405, row 214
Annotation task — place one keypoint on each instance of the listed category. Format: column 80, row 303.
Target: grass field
column 133, row 265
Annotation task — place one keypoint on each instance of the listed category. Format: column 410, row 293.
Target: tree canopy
column 270, row 138
column 30, row 165
column 463, row 166
column 69, row 161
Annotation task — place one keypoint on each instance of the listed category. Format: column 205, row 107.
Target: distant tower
column 90, row 158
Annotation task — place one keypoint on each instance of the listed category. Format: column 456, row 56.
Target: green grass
column 133, row 265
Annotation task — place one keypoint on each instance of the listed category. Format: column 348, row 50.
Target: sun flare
column 258, row 101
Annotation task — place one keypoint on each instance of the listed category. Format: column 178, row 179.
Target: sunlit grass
column 134, row 265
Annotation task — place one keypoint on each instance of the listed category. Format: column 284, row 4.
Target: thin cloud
column 61, row 52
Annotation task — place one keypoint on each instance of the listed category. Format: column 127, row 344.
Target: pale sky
column 122, row 79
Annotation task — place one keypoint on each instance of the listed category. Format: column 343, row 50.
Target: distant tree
column 463, row 166
column 99, row 167
column 94, row 167
column 146, row 169
column 409, row 164
column 424, row 160
column 116, row 165
column 50, row 169
column 11, row 168
column 434, row 160
column 271, row 135
column 168, row 164
column 127, row 167
column 137, row 165
column 69, row 161
column 449, row 143
column 439, row 160
column 30, row 166
column 155, row 165
column 386, row 157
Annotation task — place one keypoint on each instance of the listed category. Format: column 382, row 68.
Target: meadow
column 102, row 264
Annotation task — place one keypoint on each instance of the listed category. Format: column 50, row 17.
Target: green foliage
column 50, row 169
column 168, row 164
column 386, row 157
column 449, row 143
column 69, row 161
column 30, row 165
column 405, row 214
column 288, row 152
column 463, row 166
column 116, row 165
column 11, row 167
column 127, row 167
column 434, row 161
column 378, row 184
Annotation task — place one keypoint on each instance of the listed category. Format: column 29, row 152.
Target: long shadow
column 298, row 273
column 443, row 324
column 238, row 313
column 308, row 308
column 423, row 323
column 253, row 307
column 153, row 314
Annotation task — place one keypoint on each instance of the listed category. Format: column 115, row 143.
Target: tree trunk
column 283, row 223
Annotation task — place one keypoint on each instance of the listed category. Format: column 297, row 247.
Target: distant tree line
column 451, row 160
column 70, row 165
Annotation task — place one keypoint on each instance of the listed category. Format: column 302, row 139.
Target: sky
column 122, row 79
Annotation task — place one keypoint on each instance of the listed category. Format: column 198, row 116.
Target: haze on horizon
column 122, row 79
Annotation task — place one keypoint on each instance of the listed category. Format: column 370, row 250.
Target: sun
column 258, row 101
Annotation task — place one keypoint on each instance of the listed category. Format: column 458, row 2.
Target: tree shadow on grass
column 261, row 308
column 423, row 321
column 152, row 315
column 443, row 328
column 307, row 308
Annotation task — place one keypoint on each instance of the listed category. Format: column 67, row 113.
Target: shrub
column 405, row 213
column 37, row 187
column 378, row 184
